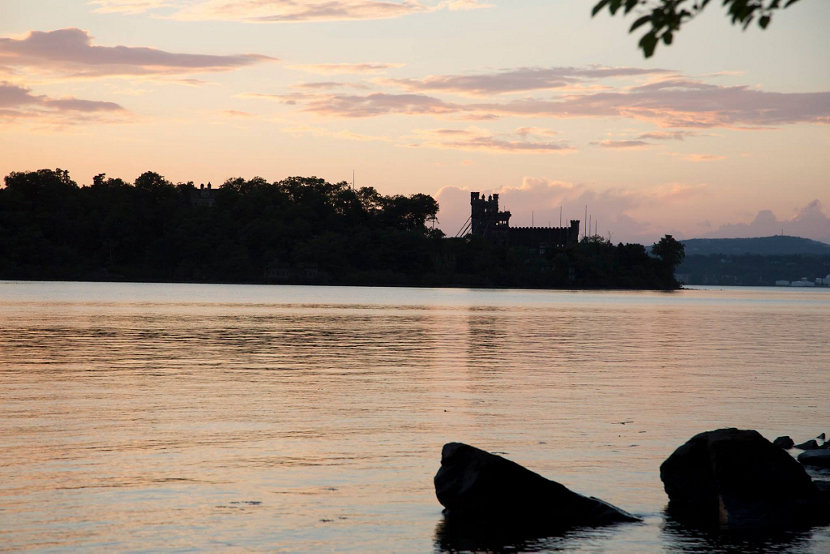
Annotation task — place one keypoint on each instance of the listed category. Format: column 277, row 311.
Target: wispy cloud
column 284, row 11
column 680, row 103
column 18, row 103
column 523, row 140
column 667, row 135
column 327, row 85
column 693, row 105
column 370, row 105
column 71, row 52
column 346, row 68
column 237, row 113
column 628, row 144
column 702, row 157
column 644, row 140
column 519, row 80
column 128, row 6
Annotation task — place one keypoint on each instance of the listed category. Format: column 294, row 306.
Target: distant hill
column 778, row 245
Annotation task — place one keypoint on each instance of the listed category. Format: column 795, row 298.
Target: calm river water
column 274, row 418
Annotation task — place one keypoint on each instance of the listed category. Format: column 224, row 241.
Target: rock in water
column 815, row 458
column 784, row 442
column 736, row 479
column 475, row 485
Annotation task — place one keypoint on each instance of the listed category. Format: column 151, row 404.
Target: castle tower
column 485, row 217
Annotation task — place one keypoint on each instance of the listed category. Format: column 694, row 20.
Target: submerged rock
column 784, row 442
column 486, row 493
column 815, row 458
column 736, row 479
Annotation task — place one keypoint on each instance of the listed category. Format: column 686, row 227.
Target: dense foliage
column 298, row 230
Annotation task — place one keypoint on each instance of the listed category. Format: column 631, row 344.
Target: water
column 275, row 418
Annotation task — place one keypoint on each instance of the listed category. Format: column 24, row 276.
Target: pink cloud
column 517, row 80
column 378, row 103
column 676, row 102
column 286, row 11
column 18, row 103
column 346, row 68
column 629, row 144
column 701, row 106
column 702, row 157
column 128, row 6
column 326, row 85
column 524, row 140
column 664, row 135
column 71, row 52
column 809, row 222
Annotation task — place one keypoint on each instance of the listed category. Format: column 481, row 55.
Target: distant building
column 486, row 220
column 204, row 196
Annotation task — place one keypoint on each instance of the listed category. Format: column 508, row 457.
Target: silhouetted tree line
column 298, row 230
column 752, row 269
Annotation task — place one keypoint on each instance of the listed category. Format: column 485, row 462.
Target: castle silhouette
column 487, row 221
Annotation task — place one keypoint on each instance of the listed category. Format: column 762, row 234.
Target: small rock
column 784, row 442
column 808, row 445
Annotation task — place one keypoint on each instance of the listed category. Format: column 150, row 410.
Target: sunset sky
column 724, row 133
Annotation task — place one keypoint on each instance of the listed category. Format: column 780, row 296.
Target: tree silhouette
column 666, row 17
column 298, row 230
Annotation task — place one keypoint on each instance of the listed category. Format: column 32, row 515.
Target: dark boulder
column 484, row 491
column 815, row 458
column 784, row 442
column 808, row 445
column 736, row 479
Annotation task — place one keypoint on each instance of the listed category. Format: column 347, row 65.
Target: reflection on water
column 685, row 539
column 306, row 418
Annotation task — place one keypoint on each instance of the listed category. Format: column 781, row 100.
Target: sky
column 725, row 133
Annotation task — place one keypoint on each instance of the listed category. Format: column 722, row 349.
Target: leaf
column 764, row 21
column 667, row 38
column 640, row 22
column 648, row 43
column 598, row 8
